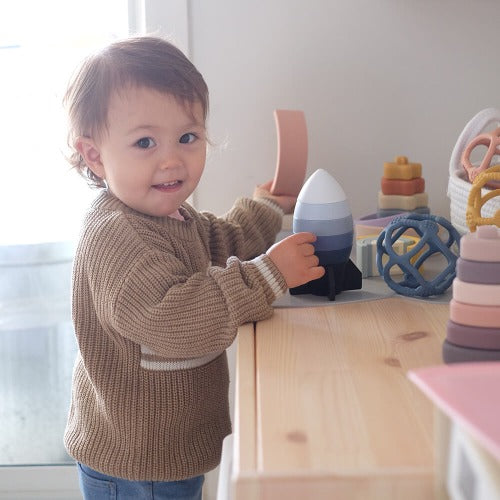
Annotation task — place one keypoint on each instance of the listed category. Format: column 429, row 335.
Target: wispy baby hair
column 143, row 61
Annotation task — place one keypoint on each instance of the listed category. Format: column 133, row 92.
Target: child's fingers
column 304, row 237
column 312, row 260
column 316, row 272
column 307, row 249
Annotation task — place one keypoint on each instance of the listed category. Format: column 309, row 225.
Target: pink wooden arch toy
column 489, row 139
column 291, row 162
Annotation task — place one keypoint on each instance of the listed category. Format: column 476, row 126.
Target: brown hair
column 142, row 61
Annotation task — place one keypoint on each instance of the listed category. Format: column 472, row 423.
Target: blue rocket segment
column 334, row 242
column 322, row 211
column 333, row 249
column 324, row 227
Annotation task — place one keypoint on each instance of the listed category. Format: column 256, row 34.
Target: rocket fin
column 337, row 278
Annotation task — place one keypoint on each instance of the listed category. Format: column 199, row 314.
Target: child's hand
column 295, row 259
column 284, row 201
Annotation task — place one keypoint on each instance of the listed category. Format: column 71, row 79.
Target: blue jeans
column 97, row 486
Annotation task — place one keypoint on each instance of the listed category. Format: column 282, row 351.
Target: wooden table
column 324, row 408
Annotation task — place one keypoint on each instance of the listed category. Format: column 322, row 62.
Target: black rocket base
column 337, row 278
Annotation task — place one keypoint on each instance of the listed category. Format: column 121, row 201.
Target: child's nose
column 170, row 159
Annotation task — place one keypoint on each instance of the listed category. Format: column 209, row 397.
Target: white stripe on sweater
column 174, row 364
column 268, row 275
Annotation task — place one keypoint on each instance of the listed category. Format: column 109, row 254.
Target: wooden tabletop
column 324, row 408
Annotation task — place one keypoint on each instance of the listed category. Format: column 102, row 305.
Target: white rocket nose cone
column 321, row 187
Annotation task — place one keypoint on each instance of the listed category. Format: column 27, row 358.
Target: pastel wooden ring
column 374, row 220
column 483, row 245
column 474, row 315
column 291, row 163
column 370, row 225
column 391, row 212
column 476, row 293
column 402, row 202
column 473, row 336
column 457, row 354
column 489, row 139
column 472, row 271
column 476, row 201
column 405, row 187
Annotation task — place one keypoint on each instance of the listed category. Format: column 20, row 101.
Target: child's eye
column 187, row 138
column 145, row 143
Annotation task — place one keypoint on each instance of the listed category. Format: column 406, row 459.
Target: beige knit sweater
column 156, row 301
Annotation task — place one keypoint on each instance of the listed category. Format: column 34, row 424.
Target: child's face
column 153, row 152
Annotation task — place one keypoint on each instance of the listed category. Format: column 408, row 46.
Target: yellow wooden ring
column 476, row 201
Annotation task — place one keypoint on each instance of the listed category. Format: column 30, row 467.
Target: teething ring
column 475, row 201
column 489, row 139
column 428, row 229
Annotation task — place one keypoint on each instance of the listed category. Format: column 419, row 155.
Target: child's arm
column 293, row 256
column 250, row 227
column 158, row 292
column 286, row 203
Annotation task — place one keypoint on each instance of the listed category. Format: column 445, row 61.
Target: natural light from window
column 41, row 42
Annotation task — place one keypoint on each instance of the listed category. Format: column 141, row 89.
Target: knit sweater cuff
column 272, row 204
column 271, row 274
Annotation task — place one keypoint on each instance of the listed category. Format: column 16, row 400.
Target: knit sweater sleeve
column 247, row 230
column 152, row 297
column 182, row 317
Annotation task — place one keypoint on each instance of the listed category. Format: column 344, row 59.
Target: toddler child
column 160, row 289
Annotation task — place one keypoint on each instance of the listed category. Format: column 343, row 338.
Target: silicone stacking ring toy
column 476, row 201
column 474, row 315
column 476, row 293
column 477, row 337
column 471, row 271
column 427, row 228
column 492, row 141
column 453, row 353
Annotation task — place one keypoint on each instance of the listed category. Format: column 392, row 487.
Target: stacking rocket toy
column 473, row 331
column 322, row 209
column 402, row 188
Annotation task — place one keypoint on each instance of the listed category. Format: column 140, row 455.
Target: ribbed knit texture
column 179, row 289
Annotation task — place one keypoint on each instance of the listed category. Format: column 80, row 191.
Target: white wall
column 376, row 79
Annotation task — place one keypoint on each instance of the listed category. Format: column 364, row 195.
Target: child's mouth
column 168, row 186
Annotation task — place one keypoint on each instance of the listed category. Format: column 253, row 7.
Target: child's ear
column 90, row 153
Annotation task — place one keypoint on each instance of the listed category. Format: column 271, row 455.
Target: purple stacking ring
column 477, row 337
column 458, row 354
column 473, row 271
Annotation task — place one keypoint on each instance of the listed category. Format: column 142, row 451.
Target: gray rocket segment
column 322, row 211
column 323, row 227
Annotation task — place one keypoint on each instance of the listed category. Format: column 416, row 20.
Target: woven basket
column 458, row 183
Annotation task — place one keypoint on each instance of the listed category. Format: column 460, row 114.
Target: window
column 41, row 198
column 42, row 202
column 41, row 205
